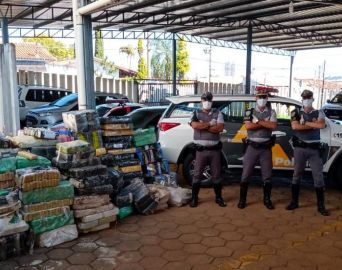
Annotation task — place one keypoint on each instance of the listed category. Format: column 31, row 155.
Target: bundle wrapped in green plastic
column 73, row 147
column 39, row 226
column 25, row 163
column 144, row 137
column 63, row 191
column 7, row 164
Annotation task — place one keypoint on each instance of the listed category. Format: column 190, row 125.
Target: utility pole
column 209, row 51
column 322, row 83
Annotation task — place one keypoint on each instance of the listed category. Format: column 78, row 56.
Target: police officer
column 207, row 124
column 259, row 122
column 306, row 123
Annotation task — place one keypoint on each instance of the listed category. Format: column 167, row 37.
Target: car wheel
column 338, row 178
column 189, row 169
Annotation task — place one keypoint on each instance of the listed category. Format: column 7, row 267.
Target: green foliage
column 99, row 49
column 129, row 51
column 142, row 68
column 56, row 48
column 183, row 63
column 161, row 60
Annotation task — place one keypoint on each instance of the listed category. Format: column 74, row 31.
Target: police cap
column 207, row 96
column 307, row 94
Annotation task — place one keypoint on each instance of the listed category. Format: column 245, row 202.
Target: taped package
column 116, row 126
column 129, row 169
column 29, row 216
column 91, row 181
column 122, row 132
column 22, row 162
column 91, row 224
column 81, row 121
column 12, row 224
column 58, row 236
column 47, row 205
column 8, row 176
column 122, row 151
column 93, row 211
column 7, row 184
column 104, row 189
column 63, row 191
column 73, row 147
column 7, row 164
column 9, row 208
column 179, row 196
column 97, row 228
column 87, row 171
column 86, row 202
column 45, row 224
column 24, row 142
column 116, row 120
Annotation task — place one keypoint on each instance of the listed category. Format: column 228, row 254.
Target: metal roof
column 279, row 24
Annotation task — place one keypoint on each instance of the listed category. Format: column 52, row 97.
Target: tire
column 188, row 171
column 338, row 173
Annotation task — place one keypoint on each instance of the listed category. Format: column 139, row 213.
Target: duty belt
column 263, row 145
column 299, row 143
column 217, row 146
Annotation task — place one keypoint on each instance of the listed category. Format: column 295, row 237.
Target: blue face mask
column 206, row 105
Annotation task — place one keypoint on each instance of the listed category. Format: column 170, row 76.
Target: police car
column 176, row 135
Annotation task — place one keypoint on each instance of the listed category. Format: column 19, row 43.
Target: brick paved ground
column 208, row 238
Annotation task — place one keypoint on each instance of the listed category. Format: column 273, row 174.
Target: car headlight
column 44, row 114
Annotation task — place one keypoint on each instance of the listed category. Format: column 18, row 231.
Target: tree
column 161, row 60
column 142, row 68
column 56, row 48
column 99, row 49
column 183, row 64
column 129, row 51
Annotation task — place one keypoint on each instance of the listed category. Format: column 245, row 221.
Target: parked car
column 118, row 108
column 51, row 114
column 147, row 117
column 32, row 96
column 333, row 108
column 176, row 135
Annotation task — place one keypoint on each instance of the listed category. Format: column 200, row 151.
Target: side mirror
column 328, row 101
column 22, row 103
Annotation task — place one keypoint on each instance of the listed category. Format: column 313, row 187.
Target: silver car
column 51, row 114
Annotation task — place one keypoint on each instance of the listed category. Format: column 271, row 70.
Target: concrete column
column 174, row 66
column 249, row 59
column 4, row 28
column 291, row 69
column 84, row 58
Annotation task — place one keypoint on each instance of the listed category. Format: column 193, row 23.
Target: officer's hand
column 302, row 121
column 213, row 122
column 207, row 125
column 255, row 119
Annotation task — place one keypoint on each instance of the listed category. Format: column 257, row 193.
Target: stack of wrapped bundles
column 7, row 168
column 85, row 124
column 13, row 229
column 92, row 185
column 154, row 166
column 46, row 205
column 118, row 141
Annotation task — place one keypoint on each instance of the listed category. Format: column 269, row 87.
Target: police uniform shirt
column 261, row 134
column 204, row 137
column 308, row 135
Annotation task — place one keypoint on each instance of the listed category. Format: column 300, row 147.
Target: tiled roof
column 32, row 51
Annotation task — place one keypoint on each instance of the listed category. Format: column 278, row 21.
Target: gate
column 155, row 93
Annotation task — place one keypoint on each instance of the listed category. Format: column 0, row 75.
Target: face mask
column 307, row 102
column 261, row 102
column 207, row 105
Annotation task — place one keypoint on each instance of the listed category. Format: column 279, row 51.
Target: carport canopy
column 277, row 24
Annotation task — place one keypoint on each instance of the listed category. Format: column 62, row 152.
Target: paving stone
column 190, row 238
column 107, row 241
column 169, row 234
column 167, row 225
column 147, row 222
column 130, row 266
column 230, row 236
column 204, row 267
column 129, row 257
column 85, row 247
column 151, row 230
column 172, row 244
column 196, row 259
column 32, row 260
column 151, row 251
column 150, row 240
column 262, row 249
column 128, row 246
column 128, row 228
column 208, row 232
column 195, row 248
column 213, row 242
column 8, row 265
column 59, row 253
column 67, row 244
column 79, row 267
column 219, row 252
column 225, row 227
column 175, row 255
column 153, row 262
column 187, row 229
column 54, row 265
column 177, row 266
column 81, row 258
column 106, row 252
column 226, row 263
column 104, row 264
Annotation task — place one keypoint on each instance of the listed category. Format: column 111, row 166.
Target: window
column 30, row 96
column 235, row 110
column 184, row 110
column 337, row 99
column 65, row 101
column 283, row 111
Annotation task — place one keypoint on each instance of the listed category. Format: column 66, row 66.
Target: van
column 32, row 96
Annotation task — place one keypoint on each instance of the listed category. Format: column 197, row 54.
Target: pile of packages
column 85, row 124
column 13, row 230
column 91, row 182
column 46, row 205
column 117, row 138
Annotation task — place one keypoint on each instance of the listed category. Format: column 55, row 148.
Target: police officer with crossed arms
column 259, row 122
column 207, row 123
column 306, row 123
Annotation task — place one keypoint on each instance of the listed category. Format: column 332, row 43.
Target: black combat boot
column 218, row 195
column 320, row 202
column 295, row 197
column 243, row 195
column 267, row 196
column 195, row 190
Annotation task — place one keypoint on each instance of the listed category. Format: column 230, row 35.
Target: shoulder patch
column 248, row 112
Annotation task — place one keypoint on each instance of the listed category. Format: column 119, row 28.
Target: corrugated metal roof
column 281, row 24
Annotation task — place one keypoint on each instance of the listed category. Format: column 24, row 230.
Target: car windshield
column 337, row 99
column 333, row 114
column 65, row 101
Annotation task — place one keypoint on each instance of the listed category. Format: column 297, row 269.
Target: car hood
column 44, row 109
